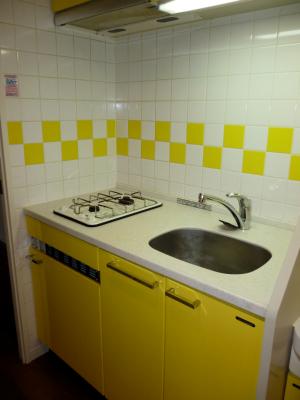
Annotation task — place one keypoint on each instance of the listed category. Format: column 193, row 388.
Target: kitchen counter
column 129, row 238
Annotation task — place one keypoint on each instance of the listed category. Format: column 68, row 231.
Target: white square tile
column 199, row 40
column 149, row 70
column 177, row 172
column 196, row 111
column 134, row 111
column 238, row 87
column 6, row 11
column 29, row 87
column 272, row 210
column 135, row 50
column 135, row 165
column 121, row 91
column 67, row 110
column 67, row 89
column 163, row 90
column 293, row 193
column 54, row 190
column 47, row 65
column 86, row 167
column 217, row 87
column 122, row 72
column 82, row 69
column 194, row 154
column 53, row 171
column 162, row 151
column 232, row 159
column 193, row 175
column 98, row 71
column 236, row 111
column 179, row 110
column 25, row 38
column 32, row 132
column 289, row 29
column 148, row 90
column 24, row 13
column 71, row 187
column 283, row 113
column 99, row 128
column 197, row 89
column 65, row 67
column 164, row 68
column 122, row 128
column 286, row 85
column 50, row 110
column 219, row 38
column 180, row 89
column 135, row 90
column 256, row 138
column 16, row 155
column 218, row 63
column 84, row 109
column 44, row 18
column 178, row 132
column 288, row 58
column 296, row 141
column 82, row 47
column 18, row 177
column 49, row 88
column 241, row 35
column 148, row 130
column 162, row 170
column 252, row 185
column 215, row 112
column 277, row 165
column 84, row 90
column 28, row 64
column 258, row 112
column 101, row 109
column 121, row 51
column 20, row 196
column 191, row 192
column 35, row 174
column 260, row 86
column 274, row 189
column 230, row 181
column 36, row 194
column 98, row 50
column 148, row 183
column 8, row 61
column 46, row 42
column 148, row 168
column 101, row 165
column 161, row 187
column 263, row 59
column 134, row 148
column 265, row 32
column 149, row 48
column 198, row 65
column 211, row 178
column 164, row 46
column 70, row 169
column 52, row 152
column 240, row 61
column 162, row 110
column 181, row 66
column 181, row 43
column 291, row 214
column 30, row 110
column 135, row 71
column 12, row 109
column 176, row 189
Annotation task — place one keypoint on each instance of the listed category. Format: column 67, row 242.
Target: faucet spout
column 241, row 217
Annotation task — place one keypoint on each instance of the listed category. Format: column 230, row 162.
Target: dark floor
column 47, row 378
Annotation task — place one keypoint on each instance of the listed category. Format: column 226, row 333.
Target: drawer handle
column 33, row 259
column 113, row 266
column 192, row 304
column 296, row 386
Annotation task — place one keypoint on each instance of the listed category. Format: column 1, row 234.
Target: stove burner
column 127, row 200
column 94, row 208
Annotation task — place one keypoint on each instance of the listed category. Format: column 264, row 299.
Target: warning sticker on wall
column 11, row 85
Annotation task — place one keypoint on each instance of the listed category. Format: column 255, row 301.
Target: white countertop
column 129, row 238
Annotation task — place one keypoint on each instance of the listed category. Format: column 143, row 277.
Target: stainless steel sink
column 211, row 250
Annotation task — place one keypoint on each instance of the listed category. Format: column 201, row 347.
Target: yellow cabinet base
column 292, row 391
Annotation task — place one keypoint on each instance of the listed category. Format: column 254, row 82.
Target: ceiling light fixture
column 179, row 6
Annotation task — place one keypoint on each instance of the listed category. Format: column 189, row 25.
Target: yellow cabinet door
column 59, row 5
column 40, row 295
column 212, row 349
column 133, row 330
column 74, row 319
column 292, row 390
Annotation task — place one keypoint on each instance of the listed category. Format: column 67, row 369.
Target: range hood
column 120, row 17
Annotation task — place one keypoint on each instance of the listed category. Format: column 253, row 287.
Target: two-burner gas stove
column 100, row 208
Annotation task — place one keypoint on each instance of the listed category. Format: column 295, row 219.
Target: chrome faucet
column 242, row 217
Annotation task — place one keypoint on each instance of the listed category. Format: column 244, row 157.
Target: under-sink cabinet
column 134, row 334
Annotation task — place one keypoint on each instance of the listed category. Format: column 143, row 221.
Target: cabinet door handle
column 33, row 259
column 192, row 304
column 113, row 266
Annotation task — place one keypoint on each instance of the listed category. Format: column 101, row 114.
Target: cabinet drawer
column 34, row 227
column 71, row 246
column 292, row 391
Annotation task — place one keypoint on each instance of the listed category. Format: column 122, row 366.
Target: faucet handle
column 243, row 200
